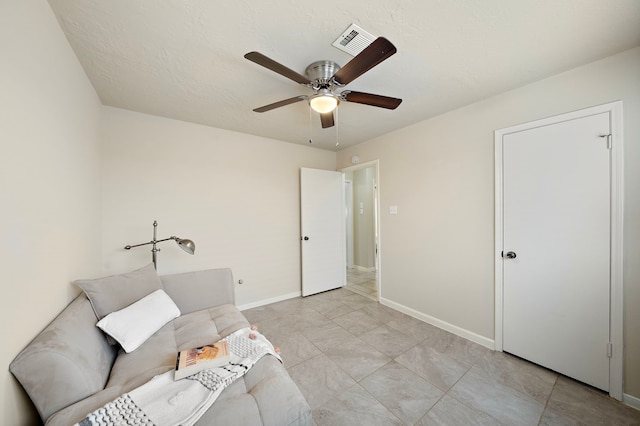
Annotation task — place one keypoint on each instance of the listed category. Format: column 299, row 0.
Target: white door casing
column 376, row 207
column 555, row 179
column 348, row 213
column 322, row 230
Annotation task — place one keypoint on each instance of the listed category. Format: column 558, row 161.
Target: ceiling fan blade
column 327, row 119
column 281, row 103
column 379, row 50
column 269, row 63
column 371, row 99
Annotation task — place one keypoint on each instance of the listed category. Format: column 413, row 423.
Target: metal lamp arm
column 186, row 245
column 150, row 242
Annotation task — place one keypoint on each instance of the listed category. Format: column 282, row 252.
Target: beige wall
column 235, row 195
column 49, row 181
column 437, row 253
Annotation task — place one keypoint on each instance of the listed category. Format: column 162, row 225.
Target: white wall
column 235, row 195
column 49, row 181
column 437, row 253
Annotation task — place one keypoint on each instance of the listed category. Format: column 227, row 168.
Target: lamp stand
column 186, row 245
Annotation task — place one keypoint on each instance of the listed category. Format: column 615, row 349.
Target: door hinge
column 608, row 140
column 609, row 350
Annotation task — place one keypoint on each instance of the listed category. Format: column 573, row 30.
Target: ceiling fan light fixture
column 324, row 102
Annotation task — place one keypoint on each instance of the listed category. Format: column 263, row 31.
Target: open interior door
column 322, row 230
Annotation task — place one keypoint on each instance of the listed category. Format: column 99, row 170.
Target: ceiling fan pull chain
column 310, row 127
column 337, row 126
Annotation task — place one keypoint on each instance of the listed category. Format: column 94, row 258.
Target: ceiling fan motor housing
column 320, row 73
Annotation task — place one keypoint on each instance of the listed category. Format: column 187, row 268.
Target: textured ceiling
column 183, row 59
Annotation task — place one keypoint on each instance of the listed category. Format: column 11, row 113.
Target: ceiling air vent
column 354, row 40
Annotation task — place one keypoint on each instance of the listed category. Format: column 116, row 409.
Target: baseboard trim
column 363, row 268
column 469, row 335
column 631, row 401
column 268, row 301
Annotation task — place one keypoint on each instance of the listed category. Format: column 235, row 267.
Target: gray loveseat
column 71, row 369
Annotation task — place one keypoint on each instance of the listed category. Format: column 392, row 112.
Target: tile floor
column 360, row 363
column 363, row 283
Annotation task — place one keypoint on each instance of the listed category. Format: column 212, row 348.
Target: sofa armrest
column 194, row 291
column 67, row 362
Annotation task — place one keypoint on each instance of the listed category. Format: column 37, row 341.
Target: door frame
column 348, row 198
column 616, row 362
column 376, row 204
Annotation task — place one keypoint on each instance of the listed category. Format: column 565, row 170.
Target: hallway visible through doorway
column 362, row 282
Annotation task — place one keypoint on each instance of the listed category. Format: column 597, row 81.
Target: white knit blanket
column 165, row 402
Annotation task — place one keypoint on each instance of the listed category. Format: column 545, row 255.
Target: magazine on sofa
column 191, row 361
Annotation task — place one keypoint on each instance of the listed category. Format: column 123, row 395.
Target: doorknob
column 306, row 238
column 510, row 255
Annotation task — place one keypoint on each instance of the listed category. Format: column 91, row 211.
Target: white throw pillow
column 133, row 325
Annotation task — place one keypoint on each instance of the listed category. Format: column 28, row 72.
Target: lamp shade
column 323, row 103
column 186, row 245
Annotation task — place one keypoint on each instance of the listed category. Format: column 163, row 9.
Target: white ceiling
column 183, row 59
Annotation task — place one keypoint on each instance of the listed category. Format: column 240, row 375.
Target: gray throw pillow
column 110, row 294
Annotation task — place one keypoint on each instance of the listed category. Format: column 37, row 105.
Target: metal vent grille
column 353, row 40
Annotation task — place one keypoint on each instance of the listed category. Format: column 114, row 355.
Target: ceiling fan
column 326, row 77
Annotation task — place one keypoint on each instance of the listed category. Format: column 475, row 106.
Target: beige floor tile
column 320, row 379
column 449, row 412
column 361, row 363
column 389, row 341
column 507, row 405
column 435, row 367
column 354, row 407
column 573, row 401
column 530, row 379
column 357, row 322
column 363, row 283
column 405, row 394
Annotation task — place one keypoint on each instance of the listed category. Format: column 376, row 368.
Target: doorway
column 361, row 224
column 558, row 244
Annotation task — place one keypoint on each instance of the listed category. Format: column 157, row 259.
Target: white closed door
column 322, row 230
column 556, row 242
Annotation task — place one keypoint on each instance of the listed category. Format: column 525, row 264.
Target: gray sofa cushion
column 158, row 354
column 110, row 294
column 211, row 287
column 266, row 395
